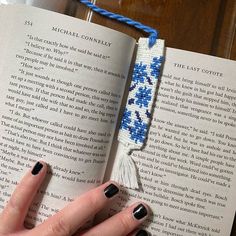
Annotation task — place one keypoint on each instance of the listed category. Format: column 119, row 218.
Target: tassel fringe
column 125, row 170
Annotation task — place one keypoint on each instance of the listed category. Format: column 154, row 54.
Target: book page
column 61, row 86
column 188, row 168
column 4, row 32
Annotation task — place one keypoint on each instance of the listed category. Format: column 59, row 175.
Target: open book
column 62, row 82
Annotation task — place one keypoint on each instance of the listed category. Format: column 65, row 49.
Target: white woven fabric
column 137, row 115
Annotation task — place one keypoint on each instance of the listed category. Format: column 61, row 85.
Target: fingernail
column 142, row 233
column 140, row 212
column 38, row 166
column 111, row 190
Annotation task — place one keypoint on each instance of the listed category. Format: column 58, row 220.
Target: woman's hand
column 70, row 219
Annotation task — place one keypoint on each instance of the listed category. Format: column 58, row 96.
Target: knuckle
column 59, row 228
column 125, row 222
column 94, row 202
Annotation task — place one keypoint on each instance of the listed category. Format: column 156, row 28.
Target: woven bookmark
column 137, row 114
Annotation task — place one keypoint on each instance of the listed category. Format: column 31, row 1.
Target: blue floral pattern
column 126, row 120
column 137, row 114
column 143, row 97
column 140, row 73
column 138, row 131
column 156, row 66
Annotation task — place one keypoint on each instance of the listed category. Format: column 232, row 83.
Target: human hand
column 70, row 219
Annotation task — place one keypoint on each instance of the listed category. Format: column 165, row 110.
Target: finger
column 77, row 213
column 122, row 223
column 13, row 216
column 139, row 232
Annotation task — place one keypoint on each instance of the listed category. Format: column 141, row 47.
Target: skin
column 68, row 220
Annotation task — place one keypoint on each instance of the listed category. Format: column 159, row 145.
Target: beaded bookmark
column 137, row 114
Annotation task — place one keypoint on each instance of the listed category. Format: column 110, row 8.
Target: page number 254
column 28, row 23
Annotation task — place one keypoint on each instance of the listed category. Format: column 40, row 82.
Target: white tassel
column 125, row 172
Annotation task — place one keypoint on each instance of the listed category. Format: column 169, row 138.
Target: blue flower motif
column 126, row 119
column 156, row 66
column 138, row 131
column 143, row 96
column 140, row 73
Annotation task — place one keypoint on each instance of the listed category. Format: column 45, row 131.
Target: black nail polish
column 140, row 212
column 38, row 166
column 111, row 190
column 142, row 233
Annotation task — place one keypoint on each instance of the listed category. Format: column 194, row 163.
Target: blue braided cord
column 153, row 34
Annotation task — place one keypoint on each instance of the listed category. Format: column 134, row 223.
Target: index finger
column 77, row 213
column 13, row 215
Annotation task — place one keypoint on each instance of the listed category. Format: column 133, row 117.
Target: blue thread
column 149, row 81
column 126, row 120
column 143, row 96
column 156, row 66
column 131, row 101
column 153, row 34
column 140, row 73
column 148, row 114
column 138, row 132
column 138, row 116
column 132, row 87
